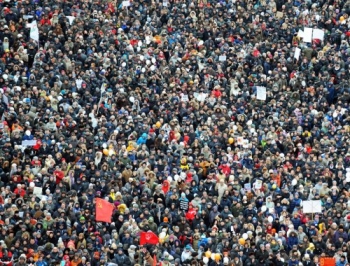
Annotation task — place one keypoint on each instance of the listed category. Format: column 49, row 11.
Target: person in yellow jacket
column 112, row 194
column 184, row 165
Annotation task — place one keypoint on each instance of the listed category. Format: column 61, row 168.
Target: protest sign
column 258, row 184
column 297, row 53
column 318, row 34
column 261, row 93
column 307, row 35
column 26, row 143
column 312, row 206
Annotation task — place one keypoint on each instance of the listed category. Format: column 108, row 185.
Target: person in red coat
column 45, row 20
column 165, row 186
column 172, row 136
column 20, row 191
column 191, row 213
column 59, row 175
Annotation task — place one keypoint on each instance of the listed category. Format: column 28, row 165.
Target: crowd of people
column 154, row 107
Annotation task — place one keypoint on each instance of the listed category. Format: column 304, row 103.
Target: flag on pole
column 148, row 238
column 104, row 211
column 34, row 32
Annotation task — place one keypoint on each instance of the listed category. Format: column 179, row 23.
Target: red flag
column 327, row 261
column 104, row 211
column 148, row 238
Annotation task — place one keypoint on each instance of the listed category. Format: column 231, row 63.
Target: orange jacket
column 277, row 180
column 75, row 263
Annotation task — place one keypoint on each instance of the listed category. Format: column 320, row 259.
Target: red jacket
column 20, row 192
column 184, row 238
column 225, row 169
column 172, row 136
column 45, row 22
column 216, row 93
column 191, row 213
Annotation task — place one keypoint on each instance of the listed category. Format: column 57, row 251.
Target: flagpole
column 103, row 89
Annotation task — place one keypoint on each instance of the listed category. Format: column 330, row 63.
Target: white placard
column 165, row 3
column 27, row 16
column 261, row 93
column 258, row 184
column 184, row 98
column 37, row 191
column 245, row 143
column 200, row 96
column 126, row 3
column 28, row 143
column 222, row 58
column 297, row 53
column 312, row 206
column 248, row 187
column 318, row 34
column 307, row 35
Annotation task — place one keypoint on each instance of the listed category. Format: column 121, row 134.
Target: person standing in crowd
column 218, row 131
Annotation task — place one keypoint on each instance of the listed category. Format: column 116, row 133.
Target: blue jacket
column 292, row 240
column 25, row 137
column 41, row 263
column 203, row 242
column 293, row 263
column 340, row 263
column 142, row 139
column 296, row 222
